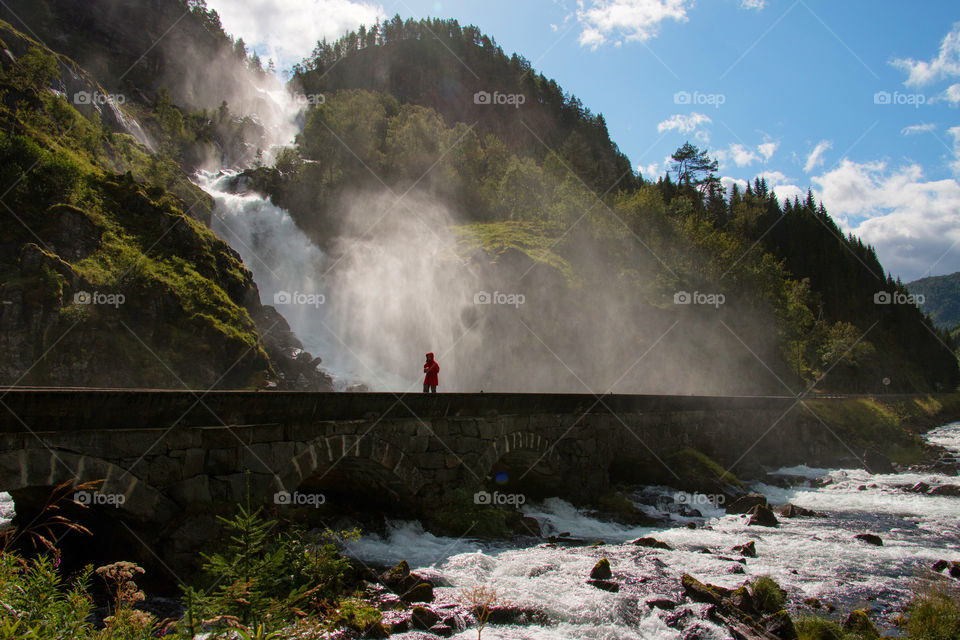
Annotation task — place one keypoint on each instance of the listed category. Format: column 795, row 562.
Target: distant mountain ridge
column 941, row 298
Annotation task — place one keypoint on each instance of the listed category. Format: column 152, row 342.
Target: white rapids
column 810, row 557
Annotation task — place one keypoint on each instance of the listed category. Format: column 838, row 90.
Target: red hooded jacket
column 431, row 368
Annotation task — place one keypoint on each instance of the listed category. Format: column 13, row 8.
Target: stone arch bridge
column 172, row 455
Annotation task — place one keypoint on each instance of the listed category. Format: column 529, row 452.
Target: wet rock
column 859, row 625
column 705, row 593
column 606, row 585
column 662, row 603
column 951, row 490
column 651, row 543
column 601, row 570
column 920, row 487
column 748, row 550
column 780, row 625
column 940, row 565
column 441, row 630
column 793, row 511
column 762, row 516
column 517, row 615
column 870, row 538
column 423, row 618
column 746, row 503
column 876, row 462
column 409, row 586
column 813, row 603
column 955, row 570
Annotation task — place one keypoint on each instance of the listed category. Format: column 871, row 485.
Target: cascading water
column 812, row 557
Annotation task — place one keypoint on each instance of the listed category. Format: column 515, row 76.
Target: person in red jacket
column 431, row 369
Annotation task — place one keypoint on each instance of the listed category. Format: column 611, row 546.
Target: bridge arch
column 530, row 461
column 40, row 469
column 365, row 459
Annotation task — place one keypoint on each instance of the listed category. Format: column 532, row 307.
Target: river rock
column 606, row 585
column 409, row 586
column 870, row 538
column 951, row 490
column 859, row 625
column 920, row 487
column 745, row 503
column 601, row 570
column 780, row 625
column 517, row 615
column 876, row 462
column 423, row 618
column 762, row 516
column 793, row 511
column 662, row 603
column 748, row 550
column 650, row 543
column 955, row 570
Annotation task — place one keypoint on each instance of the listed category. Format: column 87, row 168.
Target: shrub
column 934, row 614
column 815, row 628
column 767, row 594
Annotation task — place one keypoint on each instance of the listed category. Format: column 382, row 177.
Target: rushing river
column 810, row 557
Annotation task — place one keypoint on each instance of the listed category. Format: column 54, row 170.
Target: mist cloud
column 288, row 30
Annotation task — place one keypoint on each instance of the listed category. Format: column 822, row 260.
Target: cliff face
column 108, row 274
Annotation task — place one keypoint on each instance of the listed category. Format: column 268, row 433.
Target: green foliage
column 459, row 515
column 38, row 605
column 264, row 579
column 767, row 594
column 934, row 614
column 816, row 628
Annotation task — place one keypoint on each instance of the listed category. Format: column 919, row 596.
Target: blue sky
column 856, row 99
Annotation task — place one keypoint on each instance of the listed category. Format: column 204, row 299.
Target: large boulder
column 601, row 570
column 406, row 584
column 745, row 503
column 762, row 516
column 870, row 538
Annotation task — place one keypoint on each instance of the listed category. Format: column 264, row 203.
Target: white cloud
column 785, row 192
column 955, row 164
column 753, row 4
column 945, row 65
column 288, row 30
column 683, row 123
column 916, row 129
column 633, row 19
column 773, row 177
column 912, row 222
column 650, row 171
column 767, row 149
column 952, row 94
column 742, row 155
column 815, row 159
column 727, row 183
